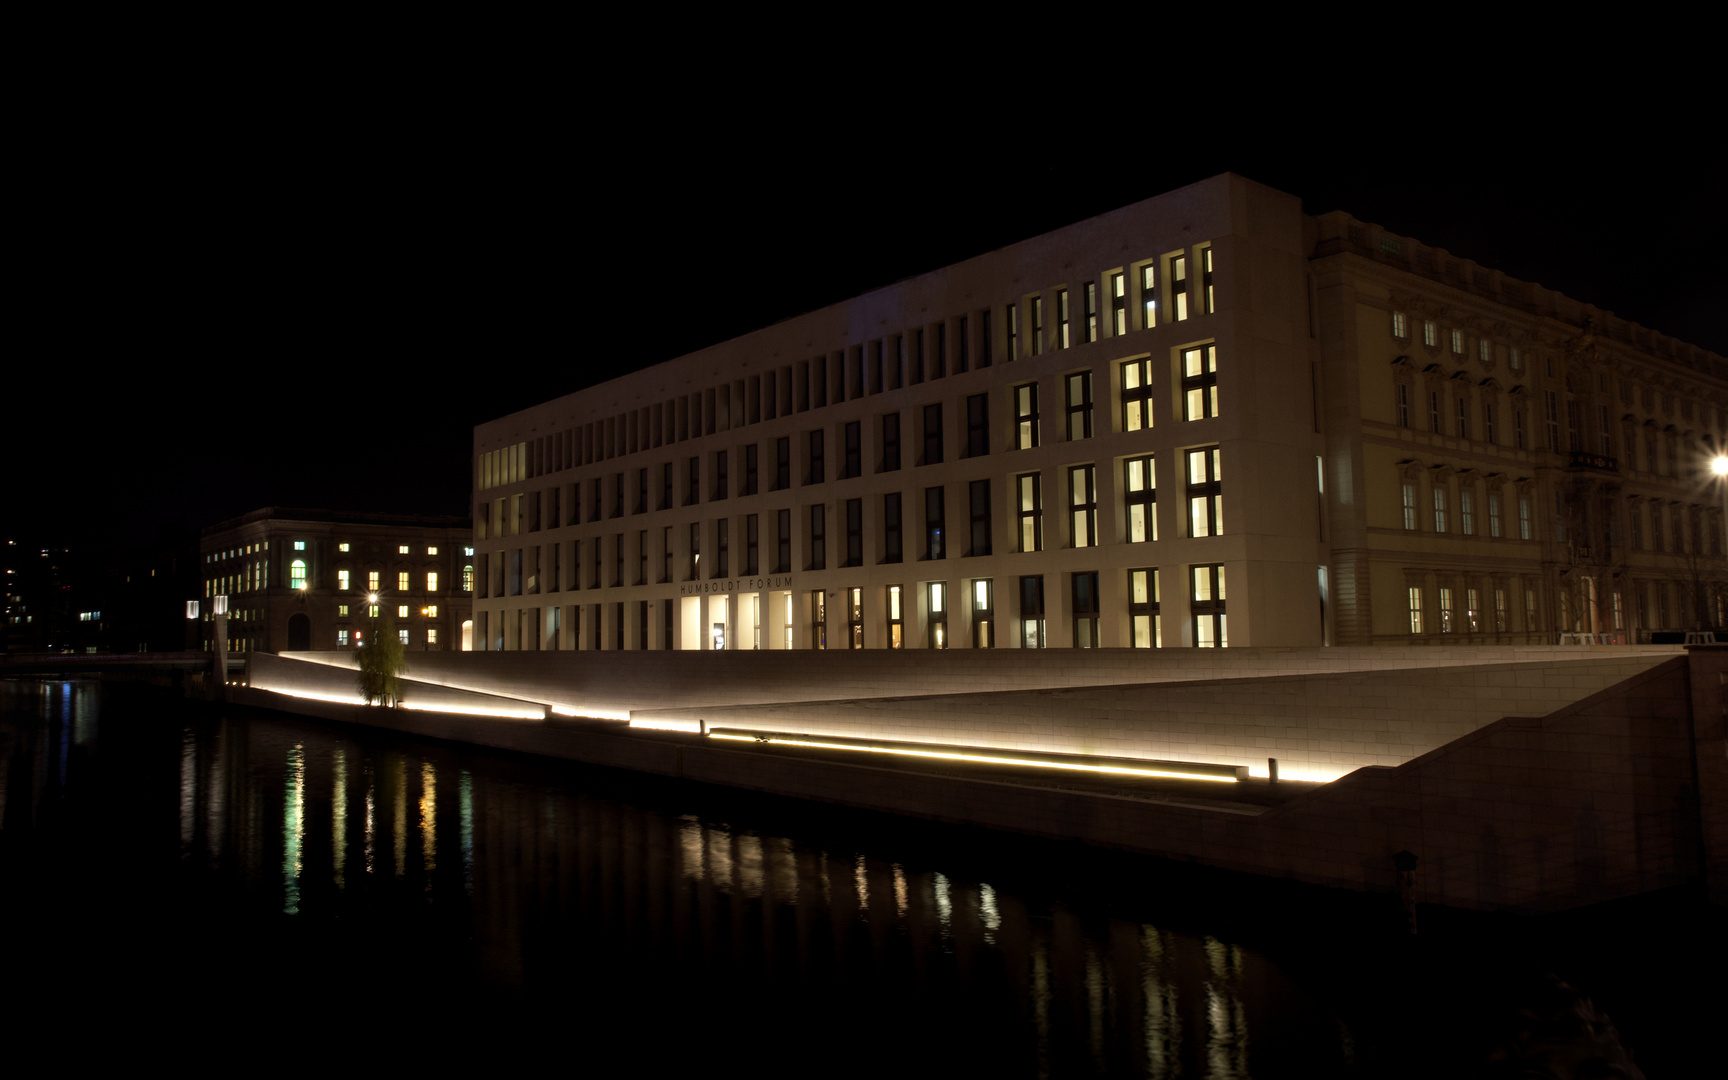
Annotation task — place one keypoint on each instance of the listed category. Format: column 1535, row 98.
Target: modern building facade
column 298, row 580
column 1356, row 439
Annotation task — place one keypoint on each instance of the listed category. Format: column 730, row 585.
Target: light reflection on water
column 560, row 872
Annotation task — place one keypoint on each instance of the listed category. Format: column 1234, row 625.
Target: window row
column 1180, row 284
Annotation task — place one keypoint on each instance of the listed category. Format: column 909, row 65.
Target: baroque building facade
column 1356, row 438
column 297, row 580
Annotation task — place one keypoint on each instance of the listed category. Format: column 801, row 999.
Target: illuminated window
column 402, row 549
column 1026, row 416
column 1400, row 325
column 1430, row 333
column 431, row 611
column 1457, row 343
column 1083, row 505
column 1415, row 601
column 938, row 614
column 1143, row 614
column 1205, row 492
column 402, row 611
column 896, row 618
column 1032, row 612
column 1207, row 300
column 1445, row 610
column 1119, row 303
column 402, row 635
column 818, row 619
column 1200, row 382
column 1179, row 287
column 1062, row 340
column 342, row 579
column 371, row 612
column 299, row 545
column 431, row 581
column 341, row 547
column 342, row 639
column 297, row 574
column 402, row 581
column 1500, row 610
column 1091, row 311
column 1031, row 512
column 1142, row 499
column 1148, row 297
column 983, row 620
column 1079, row 405
column 431, row 635
column 468, row 577
column 1136, row 395
column 855, row 618
column 342, row 611
column 1210, row 628
column 433, row 550
column 1472, row 615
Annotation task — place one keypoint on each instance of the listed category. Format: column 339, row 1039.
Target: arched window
column 297, row 574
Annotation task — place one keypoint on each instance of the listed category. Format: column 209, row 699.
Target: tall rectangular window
column 402, row 581
column 934, row 523
column 1136, row 395
column 722, row 548
column 750, row 469
column 1179, row 287
column 1207, row 607
column 891, row 528
column 1439, row 509
column 641, row 558
column 1200, row 382
column 1472, row 611
column 1148, row 632
column 1032, row 612
column 1091, row 311
column 695, row 551
column 1488, row 421
column 1208, row 302
column 1011, row 319
column 891, row 442
column 1083, row 599
column 1404, row 405
column 1037, row 326
column 1031, row 511
column 665, row 555
column 1494, row 514
column 977, row 425
column 818, row 468
column 1551, row 416
column 1524, row 518
column 1141, row 491
column 1499, row 610
column 693, row 481
column 855, row 618
column 980, row 503
column 1445, row 609
column 1430, row 333
column 666, row 486
column 818, row 619
column 1463, row 417
column 1434, row 411
column 782, row 463
column 1079, row 405
column 896, row 617
column 342, row 579
column 1414, row 598
column 783, row 542
column 1457, row 343
column 1205, row 492
column 1400, row 325
column 722, row 484
column 1083, row 505
column 1119, row 304
column 936, row 614
column 818, row 538
column 1026, row 416
column 750, row 544
column 1148, row 297
column 854, row 449
column 932, row 434
column 854, row 532
column 1467, row 512
column 1062, row 320
column 1517, row 429
column 983, row 618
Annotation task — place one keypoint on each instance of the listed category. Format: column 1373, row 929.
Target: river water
column 243, row 889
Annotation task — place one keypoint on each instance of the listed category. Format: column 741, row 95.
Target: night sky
column 299, row 304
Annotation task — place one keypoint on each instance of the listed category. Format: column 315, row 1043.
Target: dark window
column 1037, row 325
column 750, row 544
column 642, row 624
column 891, row 442
column 818, row 470
column 722, row 549
column 618, row 561
column 1080, row 405
column 941, row 368
column 594, row 502
column 618, row 495
column 977, row 425
column 818, row 539
column 693, row 487
column 932, row 435
column 933, row 523
column 782, row 463
column 750, row 469
column 1085, row 603
column 641, row 556
column 668, row 636
column 854, row 532
column 721, row 483
column 854, row 450
column 783, row 543
column 891, row 548
column 1011, row 322
column 1032, row 612
column 666, row 555
column 666, row 486
column 552, row 518
column 980, row 499
column 695, row 551
column 642, row 491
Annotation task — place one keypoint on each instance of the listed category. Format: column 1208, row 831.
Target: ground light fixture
column 982, row 756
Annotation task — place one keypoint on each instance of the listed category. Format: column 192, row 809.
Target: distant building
column 303, row 579
column 1205, row 419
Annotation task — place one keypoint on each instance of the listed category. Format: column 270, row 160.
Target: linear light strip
column 983, row 758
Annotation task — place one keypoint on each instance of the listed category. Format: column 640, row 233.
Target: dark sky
column 307, row 303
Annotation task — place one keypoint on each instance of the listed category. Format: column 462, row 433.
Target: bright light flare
column 1719, row 464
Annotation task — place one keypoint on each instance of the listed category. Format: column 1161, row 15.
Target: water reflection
column 561, row 874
